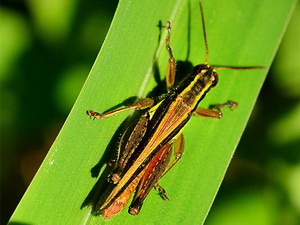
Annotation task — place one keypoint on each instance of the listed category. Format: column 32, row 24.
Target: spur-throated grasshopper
column 145, row 155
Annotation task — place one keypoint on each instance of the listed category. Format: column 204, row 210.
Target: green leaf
column 240, row 33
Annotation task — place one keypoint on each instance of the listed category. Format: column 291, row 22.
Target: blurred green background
column 263, row 181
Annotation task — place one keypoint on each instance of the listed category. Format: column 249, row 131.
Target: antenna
column 238, row 68
column 204, row 34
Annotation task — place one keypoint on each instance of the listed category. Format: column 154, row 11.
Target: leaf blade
column 126, row 59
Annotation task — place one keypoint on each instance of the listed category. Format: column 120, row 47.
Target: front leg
column 215, row 113
column 139, row 105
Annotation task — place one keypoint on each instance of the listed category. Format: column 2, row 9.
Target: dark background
column 263, row 181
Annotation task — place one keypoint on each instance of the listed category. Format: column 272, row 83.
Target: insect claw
column 88, row 112
column 232, row 105
column 94, row 114
column 161, row 191
column 168, row 26
column 115, row 178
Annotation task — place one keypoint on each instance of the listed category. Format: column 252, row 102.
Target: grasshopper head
column 208, row 73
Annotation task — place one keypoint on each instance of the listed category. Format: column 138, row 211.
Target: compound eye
column 202, row 68
column 215, row 79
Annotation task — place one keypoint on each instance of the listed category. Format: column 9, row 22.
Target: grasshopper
column 145, row 156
